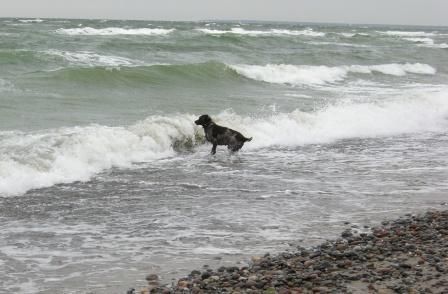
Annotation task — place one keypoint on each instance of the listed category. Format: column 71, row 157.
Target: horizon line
column 228, row 21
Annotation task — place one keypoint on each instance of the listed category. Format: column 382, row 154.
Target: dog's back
column 219, row 135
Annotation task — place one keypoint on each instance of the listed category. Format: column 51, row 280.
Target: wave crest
column 273, row 32
column 318, row 75
column 408, row 34
column 88, row 31
column 36, row 160
column 42, row 159
column 87, row 58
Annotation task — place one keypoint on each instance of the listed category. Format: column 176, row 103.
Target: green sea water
column 104, row 177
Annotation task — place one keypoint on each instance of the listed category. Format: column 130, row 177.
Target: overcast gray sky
column 422, row 12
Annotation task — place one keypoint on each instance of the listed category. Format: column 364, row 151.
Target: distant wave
column 351, row 35
column 338, row 44
column 273, row 32
column 425, row 41
column 115, row 73
column 36, row 20
column 317, row 75
column 92, row 59
column 408, row 34
column 88, row 31
column 113, row 70
column 42, row 159
column 441, row 46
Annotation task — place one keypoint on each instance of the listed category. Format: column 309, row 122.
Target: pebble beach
column 405, row 255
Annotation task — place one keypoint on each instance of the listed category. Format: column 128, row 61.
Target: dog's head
column 203, row 120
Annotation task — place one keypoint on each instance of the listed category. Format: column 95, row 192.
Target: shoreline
column 405, row 255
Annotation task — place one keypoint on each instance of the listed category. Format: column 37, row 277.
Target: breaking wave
column 318, row 75
column 36, row 20
column 88, row 31
column 41, row 159
column 86, row 58
column 273, row 32
column 425, row 41
column 408, row 34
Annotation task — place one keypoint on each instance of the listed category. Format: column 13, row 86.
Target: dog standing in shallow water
column 218, row 135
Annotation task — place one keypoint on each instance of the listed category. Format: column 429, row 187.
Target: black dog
column 219, row 135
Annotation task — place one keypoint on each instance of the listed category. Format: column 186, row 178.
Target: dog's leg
column 235, row 148
column 214, row 148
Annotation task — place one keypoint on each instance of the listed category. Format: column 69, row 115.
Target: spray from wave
column 88, row 31
column 318, row 75
column 42, row 159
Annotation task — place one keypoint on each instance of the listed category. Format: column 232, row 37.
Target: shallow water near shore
column 104, row 177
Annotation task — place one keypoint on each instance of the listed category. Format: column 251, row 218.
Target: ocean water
column 104, row 177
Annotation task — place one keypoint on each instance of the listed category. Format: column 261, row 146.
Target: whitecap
column 36, row 20
column 411, row 111
column 318, row 75
column 426, row 41
column 42, row 159
column 273, row 32
column 30, row 160
column 92, row 59
column 88, row 31
column 408, row 34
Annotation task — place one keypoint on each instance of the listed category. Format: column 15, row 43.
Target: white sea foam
column 338, row 44
column 306, row 32
column 441, row 46
column 92, row 59
column 42, row 159
column 34, row 160
column 272, row 32
column 36, row 20
column 408, row 34
column 88, row 31
column 351, row 35
column 421, row 38
column 215, row 251
column 410, row 112
column 318, row 75
column 426, row 41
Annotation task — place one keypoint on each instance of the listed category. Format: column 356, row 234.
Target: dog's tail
column 248, row 139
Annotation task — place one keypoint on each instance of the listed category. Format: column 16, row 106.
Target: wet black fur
column 219, row 135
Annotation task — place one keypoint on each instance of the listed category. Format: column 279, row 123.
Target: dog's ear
column 207, row 118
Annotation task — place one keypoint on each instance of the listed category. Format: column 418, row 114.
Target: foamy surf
column 425, row 41
column 409, row 34
column 410, row 113
column 87, row 58
column 318, row 75
column 272, row 32
column 36, row 20
column 88, row 31
column 42, row 159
